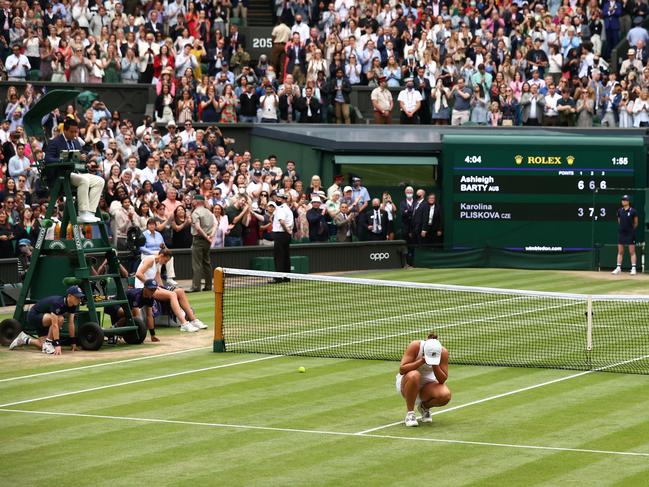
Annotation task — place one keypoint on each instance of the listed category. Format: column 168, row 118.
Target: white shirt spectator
column 409, row 98
column 640, row 111
column 268, row 106
column 149, row 174
column 184, row 61
column 303, row 29
column 551, row 104
column 17, row 66
column 188, row 136
column 81, row 13
column 173, row 10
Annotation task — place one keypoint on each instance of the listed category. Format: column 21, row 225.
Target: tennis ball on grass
column 301, row 370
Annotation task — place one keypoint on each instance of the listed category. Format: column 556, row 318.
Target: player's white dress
column 426, row 371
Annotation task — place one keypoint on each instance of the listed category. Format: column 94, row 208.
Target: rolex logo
column 519, row 159
column 570, row 160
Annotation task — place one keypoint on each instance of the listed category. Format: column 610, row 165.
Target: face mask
column 409, row 196
column 410, row 87
column 376, row 207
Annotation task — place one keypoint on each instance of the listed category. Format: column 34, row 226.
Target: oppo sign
column 379, row 256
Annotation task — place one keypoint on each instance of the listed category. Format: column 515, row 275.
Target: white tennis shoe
column 411, row 419
column 425, row 415
column 19, row 341
column 616, row 271
column 633, row 271
column 198, row 324
column 188, row 327
column 48, row 348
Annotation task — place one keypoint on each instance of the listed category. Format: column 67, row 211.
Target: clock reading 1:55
column 620, row 161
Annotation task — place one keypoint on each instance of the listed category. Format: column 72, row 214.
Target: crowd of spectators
column 154, row 183
column 509, row 62
column 496, row 63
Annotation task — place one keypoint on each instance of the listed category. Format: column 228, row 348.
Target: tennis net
column 329, row 316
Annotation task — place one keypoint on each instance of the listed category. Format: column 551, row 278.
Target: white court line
column 203, row 369
column 138, row 381
column 329, row 433
column 167, row 354
column 510, row 393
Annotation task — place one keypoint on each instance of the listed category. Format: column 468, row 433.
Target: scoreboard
column 543, row 193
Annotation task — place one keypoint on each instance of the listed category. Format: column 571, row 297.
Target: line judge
column 627, row 220
column 282, row 231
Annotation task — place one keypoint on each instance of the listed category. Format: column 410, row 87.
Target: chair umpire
column 282, row 232
column 89, row 186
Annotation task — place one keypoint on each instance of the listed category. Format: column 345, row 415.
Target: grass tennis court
column 199, row 418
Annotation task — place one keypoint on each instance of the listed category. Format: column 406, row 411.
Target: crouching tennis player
column 421, row 378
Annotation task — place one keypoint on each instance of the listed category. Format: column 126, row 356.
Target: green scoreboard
column 539, row 193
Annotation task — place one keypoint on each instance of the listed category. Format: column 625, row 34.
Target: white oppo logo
column 380, row 256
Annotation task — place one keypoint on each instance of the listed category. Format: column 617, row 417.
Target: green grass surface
column 201, row 418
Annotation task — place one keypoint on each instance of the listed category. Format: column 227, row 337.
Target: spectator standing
column 509, row 107
column 317, row 218
column 611, row 10
column 566, row 109
column 203, row 223
column 19, row 164
column 7, row 236
column 550, row 113
column 479, row 106
column 461, row 103
column 280, row 36
column 409, row 103
column 585, row 108
column 532, row 107
column 17, row 65
column 345, row 224
column 220, row 226
column 309, row 107
column 269, row 103
column 228, row 103
column 441, row 96
column 641, row 110
column 338, row 90
column 377, row 221
column 248, row 103
column 382, row 102
column 235, row 212
column 495, row 116
column 625, row 111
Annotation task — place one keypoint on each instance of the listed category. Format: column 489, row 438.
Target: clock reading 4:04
column 473, row 159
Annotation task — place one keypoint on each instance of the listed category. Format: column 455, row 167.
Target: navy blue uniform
column 135, row 298
column 52, row 304
column 626, row 231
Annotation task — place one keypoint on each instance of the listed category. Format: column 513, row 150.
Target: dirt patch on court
column 28, row 357
column 607, row 276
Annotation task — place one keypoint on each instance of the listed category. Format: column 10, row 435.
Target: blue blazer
column 55, row 146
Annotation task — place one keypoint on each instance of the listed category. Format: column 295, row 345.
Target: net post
column 218, row 284
column 589, row 324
